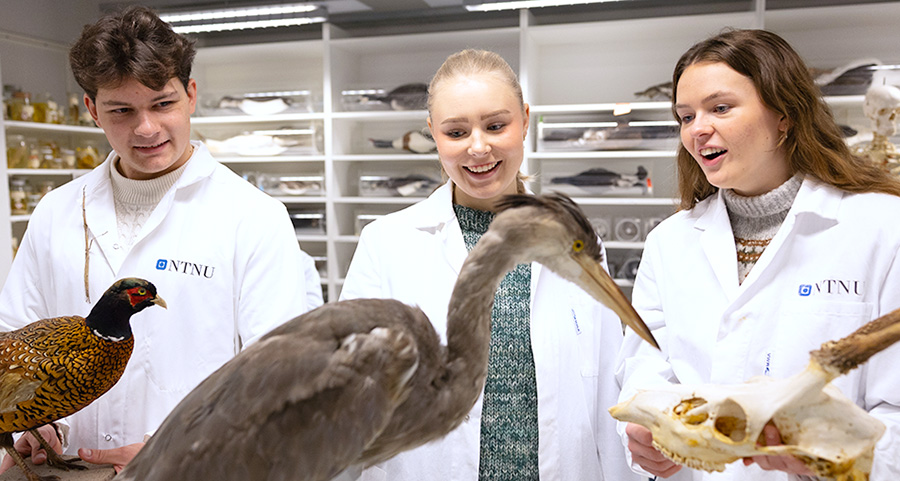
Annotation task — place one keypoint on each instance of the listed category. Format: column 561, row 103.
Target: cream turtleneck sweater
column 136, row 199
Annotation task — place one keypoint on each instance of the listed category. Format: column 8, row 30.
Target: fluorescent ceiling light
column 220, row 27
column 520, row 4
column 224, row 19
column 200, row 16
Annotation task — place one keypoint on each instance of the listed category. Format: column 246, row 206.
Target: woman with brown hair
column 785, row 240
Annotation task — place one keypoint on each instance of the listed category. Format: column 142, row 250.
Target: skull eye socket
column 684, row 411
column 731, row 421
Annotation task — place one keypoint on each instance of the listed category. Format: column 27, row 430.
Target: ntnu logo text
column 832, row 287
column 189, row 268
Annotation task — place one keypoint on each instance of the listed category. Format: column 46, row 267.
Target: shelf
column 19, row 218
column 312, row 238
column 48, row 172
column 382, row 115
column 623, row 245
column 399, row 157
column 628, row 201
column 844, row 100
column 378, row 200
column 624, row 282
column 270, row 159
column 72, row 129
column 298, row 199
column 605, row 154
column 256, row 119
column 602, row 107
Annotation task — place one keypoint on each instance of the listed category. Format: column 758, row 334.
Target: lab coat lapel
column 454, row 245
column 717, row 243
column 814, row 201
column 200, row 165
column 100, row 216
column 436, row 216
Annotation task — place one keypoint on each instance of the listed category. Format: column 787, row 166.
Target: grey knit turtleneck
column 755, row 220
column 136, row 199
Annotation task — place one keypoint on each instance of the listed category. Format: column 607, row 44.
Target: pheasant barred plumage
column 54, row 367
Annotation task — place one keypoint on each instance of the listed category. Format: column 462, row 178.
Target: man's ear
column 92, row 109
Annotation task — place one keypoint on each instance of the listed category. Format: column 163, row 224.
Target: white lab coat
column 831, row 267
column 415, row 255
column 221, row 253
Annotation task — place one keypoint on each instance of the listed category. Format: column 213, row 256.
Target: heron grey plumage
column 359, row 381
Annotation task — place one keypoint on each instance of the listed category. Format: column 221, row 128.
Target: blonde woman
column 550, row 376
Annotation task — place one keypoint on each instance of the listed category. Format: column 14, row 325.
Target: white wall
column 34, row 39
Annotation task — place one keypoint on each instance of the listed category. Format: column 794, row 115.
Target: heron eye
column 578, row 245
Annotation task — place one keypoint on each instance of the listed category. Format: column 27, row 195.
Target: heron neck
column 469, row 312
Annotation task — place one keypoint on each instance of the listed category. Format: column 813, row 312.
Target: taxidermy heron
column 357, row 382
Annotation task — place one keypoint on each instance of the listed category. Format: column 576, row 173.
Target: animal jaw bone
column 709, row 426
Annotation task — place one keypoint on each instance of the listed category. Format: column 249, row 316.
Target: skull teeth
column 692, row 463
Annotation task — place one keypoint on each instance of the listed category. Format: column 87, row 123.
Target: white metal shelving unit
column 588, row 68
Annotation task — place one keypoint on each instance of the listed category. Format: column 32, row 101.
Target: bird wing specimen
column 54, row 367
column 292, row 398
column 708, row 426
column 357, row 382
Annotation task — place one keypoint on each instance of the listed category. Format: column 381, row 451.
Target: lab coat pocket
column 804, row 326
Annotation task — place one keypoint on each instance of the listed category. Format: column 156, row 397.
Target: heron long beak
column 597, row 282
column 160, row 302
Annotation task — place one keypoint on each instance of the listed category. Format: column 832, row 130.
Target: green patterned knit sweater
column 509, row 424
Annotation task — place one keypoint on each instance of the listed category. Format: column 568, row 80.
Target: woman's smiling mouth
column 711, row 153
column 481, row 169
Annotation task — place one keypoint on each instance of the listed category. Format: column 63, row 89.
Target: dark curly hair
column 132, row 43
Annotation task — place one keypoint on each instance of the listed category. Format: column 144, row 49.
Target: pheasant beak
column 597, row 282
column 160, row 302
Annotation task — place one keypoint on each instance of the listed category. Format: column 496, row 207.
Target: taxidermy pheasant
column 54, row 367
column 356, row 382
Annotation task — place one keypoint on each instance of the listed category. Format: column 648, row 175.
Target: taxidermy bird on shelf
column 357, row 382
column 411, row 96
column 54, row 367
column 415, row 141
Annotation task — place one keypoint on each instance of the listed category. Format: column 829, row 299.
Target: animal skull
column 882, row 106
column 708, row 426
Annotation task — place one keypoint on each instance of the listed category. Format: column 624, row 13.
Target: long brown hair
column 813, row 142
